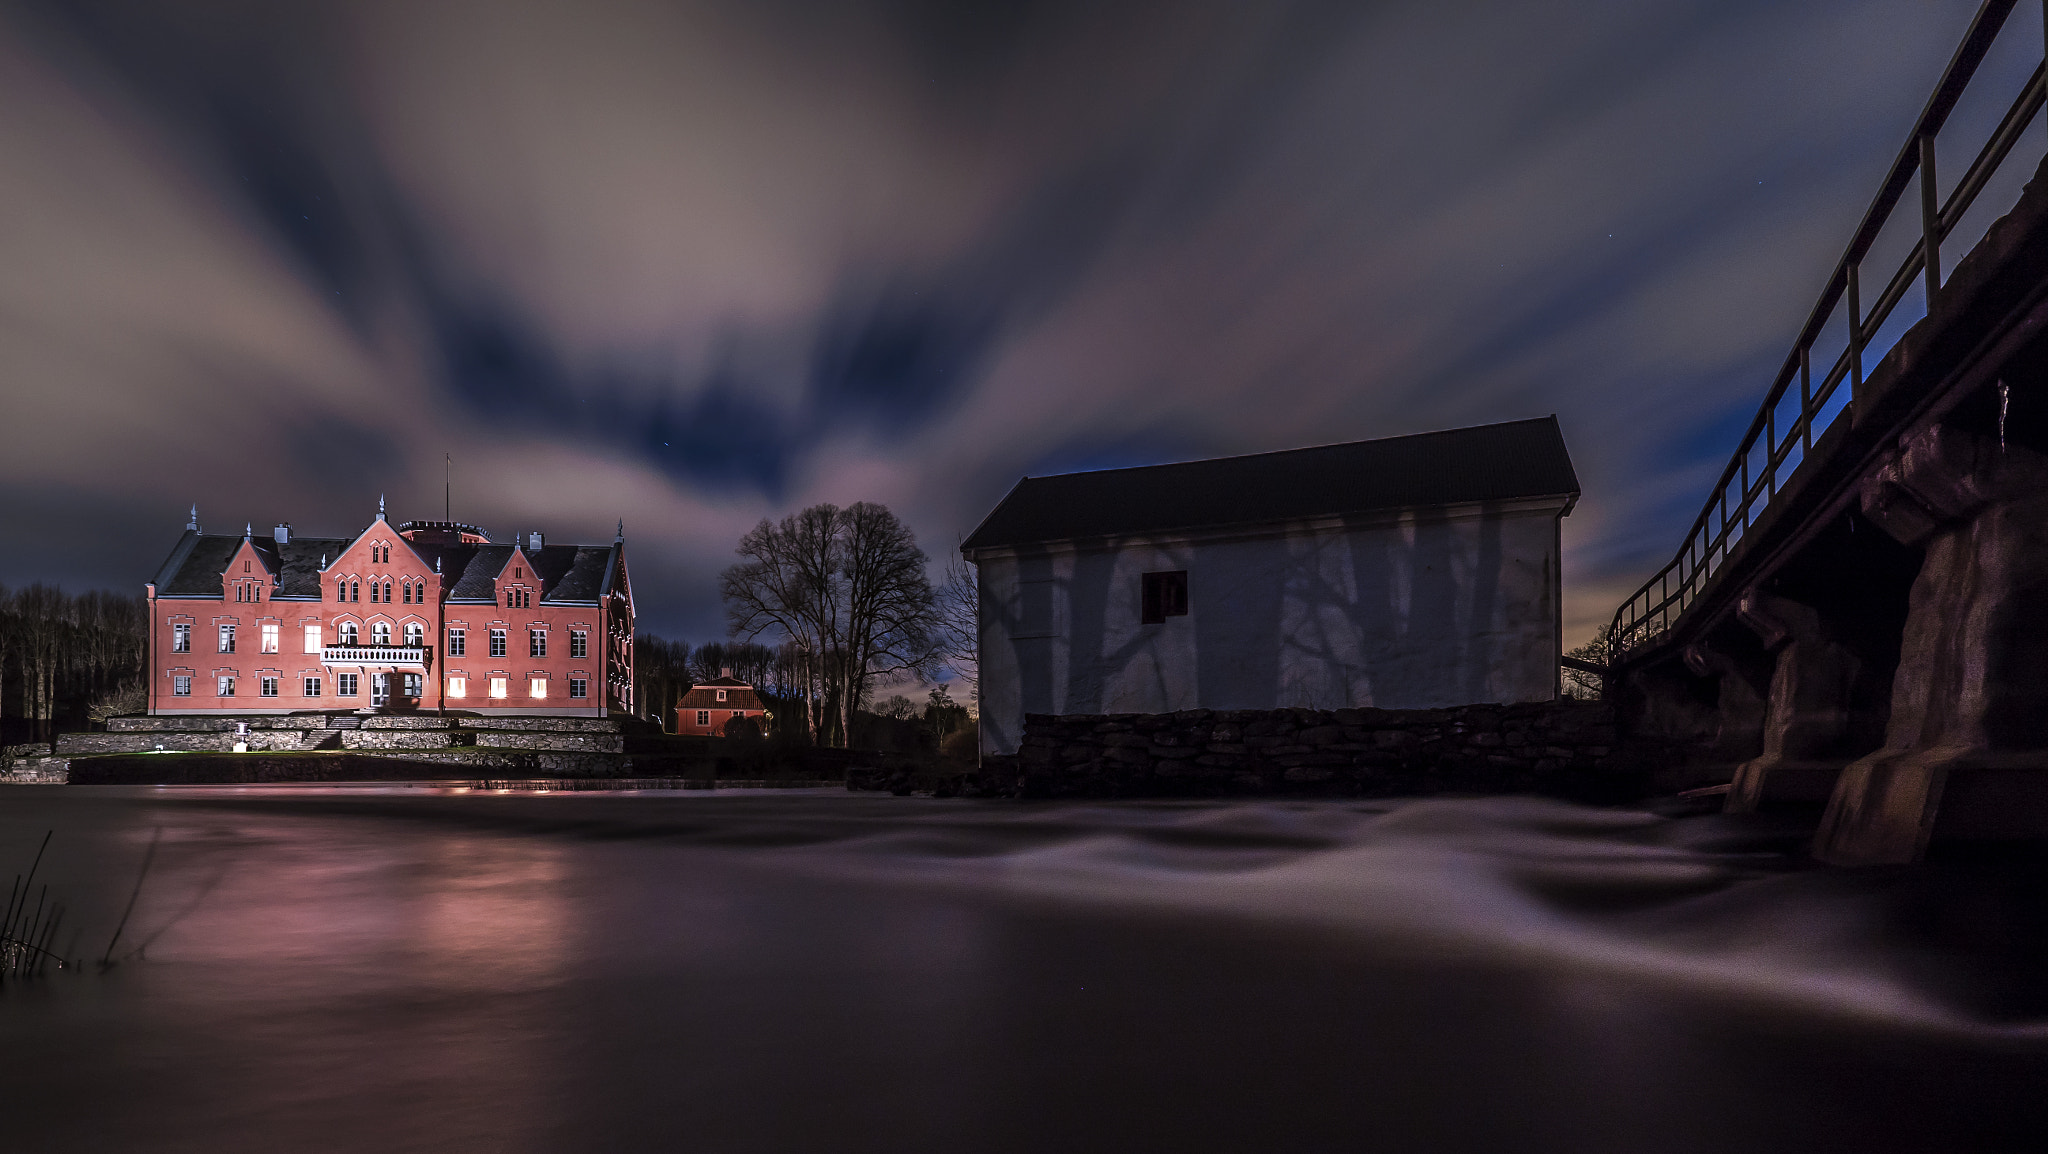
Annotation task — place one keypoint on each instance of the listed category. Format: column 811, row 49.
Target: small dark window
column 1164, row 595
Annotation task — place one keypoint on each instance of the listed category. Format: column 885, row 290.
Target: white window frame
column 312, row 639
column 537, row 688
column 458, row 642
column 579, row 643
column 499, row 644
column 536, row 643
column 380, row 633
column 499, row 688
column 458, row 687
column 415, row 634
column 227, row 639
column 579, row 688
column 345, row 685
column 181, row 685
column 224, row 686
column 267, row 687
column 704, row 717
column 269, row 641
column 181, row 639
column 309, row 687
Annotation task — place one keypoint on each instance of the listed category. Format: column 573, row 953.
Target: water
column 402, row 969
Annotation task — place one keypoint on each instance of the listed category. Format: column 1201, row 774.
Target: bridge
column 1858, row 617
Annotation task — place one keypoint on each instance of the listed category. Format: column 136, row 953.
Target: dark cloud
column 696, row 263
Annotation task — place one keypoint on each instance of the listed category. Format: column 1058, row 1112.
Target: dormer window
column 721, row 695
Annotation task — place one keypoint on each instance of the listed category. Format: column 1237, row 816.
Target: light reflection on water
column 409, row 969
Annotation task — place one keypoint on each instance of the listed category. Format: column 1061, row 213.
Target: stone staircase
column 321, row 739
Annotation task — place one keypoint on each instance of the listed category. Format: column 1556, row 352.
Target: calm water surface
column 396, row 969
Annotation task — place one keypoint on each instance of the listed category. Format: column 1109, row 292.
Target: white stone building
column 1403, row 573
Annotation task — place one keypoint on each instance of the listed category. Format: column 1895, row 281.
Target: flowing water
column 399, row 969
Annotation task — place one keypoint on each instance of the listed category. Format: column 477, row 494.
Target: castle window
column 312, row 639
column 311, row 688
column 227, row 639
column 579, row 643
column 579, row 687
column 181, row 687
column 415, row 633
column 498, row 687
column 181, row 639
column 411, row 685
column 354, row 591
column 536, row 643
column 245, row 566
column 458, row 687
column 225, row 687
column 345, row 684
column 497, row 643
column 269, row 641
column 539, row 688
column 458, row 642
column 348, row 633
column 380, row 634
column 268, row 688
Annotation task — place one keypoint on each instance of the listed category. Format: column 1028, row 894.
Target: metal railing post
column 1930, row 220
column 1806, row 393
column 1855, row 337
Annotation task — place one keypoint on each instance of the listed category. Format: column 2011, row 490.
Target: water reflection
column 407, row 969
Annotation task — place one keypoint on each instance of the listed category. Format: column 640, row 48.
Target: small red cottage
column 710, row 704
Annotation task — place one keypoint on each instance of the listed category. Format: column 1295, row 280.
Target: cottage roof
column 1504, row 462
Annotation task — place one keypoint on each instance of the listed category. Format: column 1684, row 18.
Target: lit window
column 539, row 687
column 312, row 639
column 380, row 633
column 579, row 643
column 703, row 717
column 181, row 639
column 458, row 642
column 536, row 643
column 269, row 687
column 345, row 684
column 348, row 633
column 458, row 687
column 415, row 633
column 181, row 687
column 497, row 643
column 498, row 687
column 312, row 687
column 270, row 639
column 579, row 687
column 227, row 639
column 226, row 687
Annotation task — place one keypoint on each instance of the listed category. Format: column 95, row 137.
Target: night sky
column 695, row 264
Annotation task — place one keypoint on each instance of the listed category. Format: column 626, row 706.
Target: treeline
column 64, row 656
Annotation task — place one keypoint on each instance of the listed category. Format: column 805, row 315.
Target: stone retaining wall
column 394, row 739
column 568, row 742
column 87, row 744
column 1564, row 748
column 545, row 724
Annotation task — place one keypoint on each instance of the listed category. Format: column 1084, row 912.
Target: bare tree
column 1580, row 684
column 958, row 601
column 847, row 588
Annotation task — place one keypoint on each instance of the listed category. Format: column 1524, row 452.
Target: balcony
column 392, row 656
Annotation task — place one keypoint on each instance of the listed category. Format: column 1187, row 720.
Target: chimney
column 533, row 541
column 282, row 534
column 725, row 671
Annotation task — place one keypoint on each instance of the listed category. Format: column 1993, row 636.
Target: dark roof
column 704, row 695
column 1504, row 462
column 568, row 573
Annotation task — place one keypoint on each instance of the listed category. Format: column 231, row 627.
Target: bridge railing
column 1805, row 398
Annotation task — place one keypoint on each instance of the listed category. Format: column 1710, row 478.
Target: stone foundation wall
column 1562, row 748
column 32, row 764
column 545, row 724
column 88, row 744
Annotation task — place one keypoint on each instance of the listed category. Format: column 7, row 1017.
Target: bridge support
column 1966, row 745
column 1807, row 714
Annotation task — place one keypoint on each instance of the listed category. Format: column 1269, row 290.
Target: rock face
column 1564, row 748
